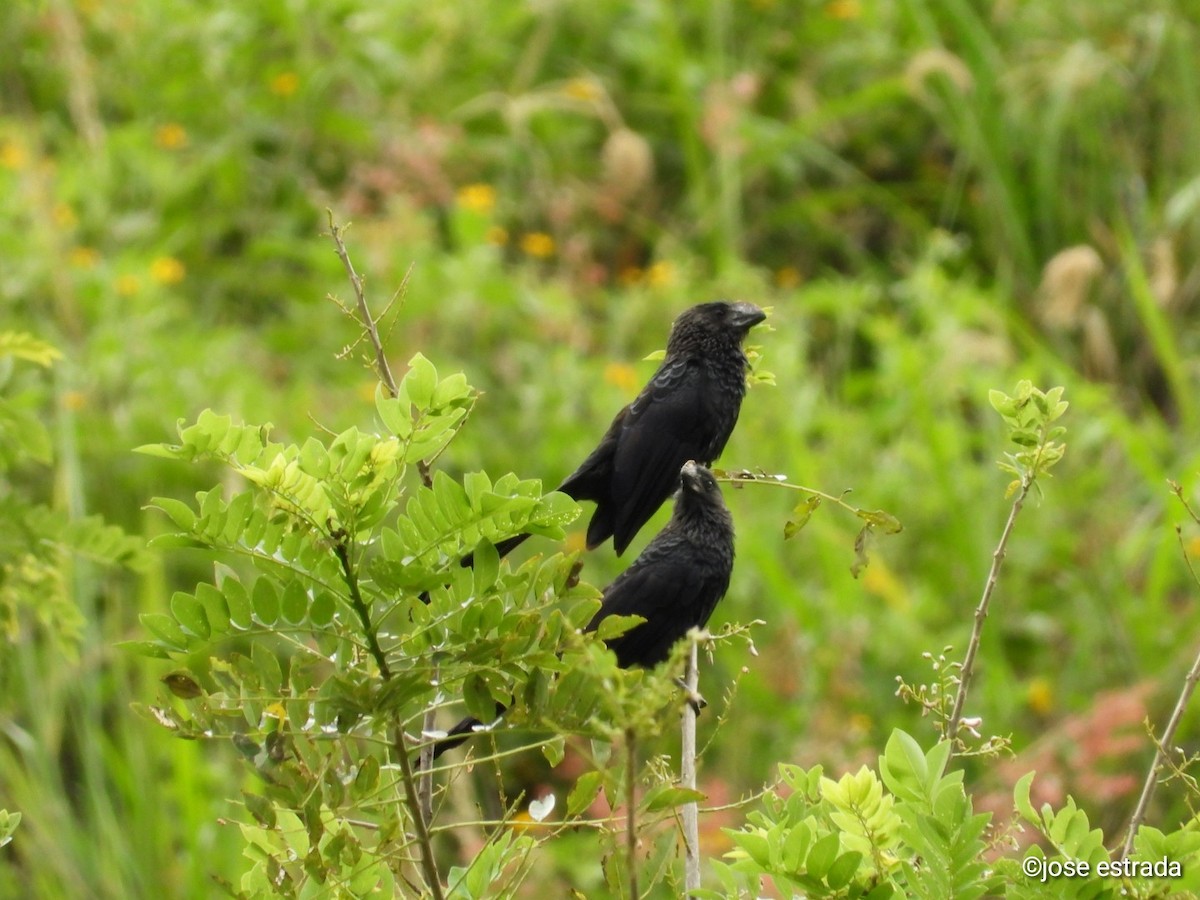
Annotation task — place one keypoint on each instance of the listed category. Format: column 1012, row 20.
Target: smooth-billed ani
column 674, row 584
column 686, row 412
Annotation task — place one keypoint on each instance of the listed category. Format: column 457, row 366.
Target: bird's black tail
column 456, row 736
column 462, row 732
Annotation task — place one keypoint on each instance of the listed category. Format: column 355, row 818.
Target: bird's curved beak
column 747, row 315
column 690, row 474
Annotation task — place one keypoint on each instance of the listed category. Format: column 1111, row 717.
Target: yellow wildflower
column 64, row 217
column 787, row 277
column 844, row 9
column 128, row 285
column 537, row 244
column 84, row 257
column 13, row 155
column 660, row 274
column 284, row 84
column 171, row 136
column 621, row 375
column 167, row 270
column 480, row 198
column 582, row 89
column 630, row 275
column 1039, row 694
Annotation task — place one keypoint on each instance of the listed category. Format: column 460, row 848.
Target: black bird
column 686, row 412
column 674, row 584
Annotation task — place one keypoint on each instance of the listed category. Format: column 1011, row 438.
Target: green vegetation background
column 936, row 198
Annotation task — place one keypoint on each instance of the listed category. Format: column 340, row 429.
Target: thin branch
column 425, row 782
column 687, row 774
column 745, row 476
column 360, row 607
column 364, row 312
column 428, row 864
column 631, row 811
column 981, row 611
column 1164, row 746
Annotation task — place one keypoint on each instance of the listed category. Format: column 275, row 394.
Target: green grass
column 891, row 178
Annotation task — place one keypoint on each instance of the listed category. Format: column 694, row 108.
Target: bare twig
column 1164, row 746
column 428, row 864
column 364, row 312
column 631, row 811
column 425, row 779
column 687, row 774
column 981, row 612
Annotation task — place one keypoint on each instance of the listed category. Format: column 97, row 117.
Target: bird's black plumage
column 674, row 584
column 686, row 412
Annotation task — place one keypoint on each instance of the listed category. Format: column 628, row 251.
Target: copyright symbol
column 1031, row 866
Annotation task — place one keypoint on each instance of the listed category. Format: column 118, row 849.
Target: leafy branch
column 1030, row 415
column 803, row 512
column 1166, row 744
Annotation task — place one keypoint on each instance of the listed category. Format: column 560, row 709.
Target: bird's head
column 699, row 504
column 698, row 483
column 720, row 319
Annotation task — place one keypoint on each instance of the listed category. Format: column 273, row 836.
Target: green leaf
column 190, row 613
column 822, row 855
column 21, row 345
column 367, row 779
column 584, row 794
column 294, row 604
column 884, row 521
column 1002, row 403
column 612, row 626
column 669, row 796
column 241, row 613
column 395, row 414
column 555, row 750
column 177, row 511
column 261, row 808
column 420, row 381
column 265, row 600
column 323, row 609
column 215, row 608
column 478, row 698
column 800, row 516
column 843, row 869
column 486, row 567
column 144, row 648
column 165, row 628
column 1021, row 799
column 903, row 767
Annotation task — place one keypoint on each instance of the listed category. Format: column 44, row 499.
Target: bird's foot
column 694, row 699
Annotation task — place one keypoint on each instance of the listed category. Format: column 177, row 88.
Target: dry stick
column 432, row 879
column 1163, row 747
column 630, row 811
column 981, row 611
column 687, row 775
column 418, row 797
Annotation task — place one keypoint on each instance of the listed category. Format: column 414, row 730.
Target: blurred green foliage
column 938, row 199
